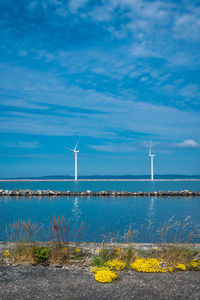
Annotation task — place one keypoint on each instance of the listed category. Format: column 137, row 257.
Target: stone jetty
column 88, row 193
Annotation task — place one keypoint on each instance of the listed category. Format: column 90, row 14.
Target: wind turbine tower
column 151, row 157
column 75, row 159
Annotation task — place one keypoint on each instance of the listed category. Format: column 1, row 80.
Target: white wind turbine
column 151, row 157
column 75, row 158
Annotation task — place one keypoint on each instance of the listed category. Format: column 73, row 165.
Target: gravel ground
column 28, row 282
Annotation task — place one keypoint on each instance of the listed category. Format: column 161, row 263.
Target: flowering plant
column 6, row 253
column 116, row 264
column 104, row 274
column 150, row 265
column 77, row 250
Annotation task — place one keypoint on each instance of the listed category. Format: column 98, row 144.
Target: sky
column 116, row 73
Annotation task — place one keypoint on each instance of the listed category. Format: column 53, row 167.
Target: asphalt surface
column 28, row 282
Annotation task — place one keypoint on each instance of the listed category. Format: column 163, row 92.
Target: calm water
column 104, row 216
column 105, row 185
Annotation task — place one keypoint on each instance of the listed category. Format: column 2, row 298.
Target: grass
column 23, row 231
column 172, row 231
column 23, row 234
column 22, row 254
column 26, row 249
column 98, row 261
column 178, row 254
column 62, row 251
column 63, row 231
column 50, row 255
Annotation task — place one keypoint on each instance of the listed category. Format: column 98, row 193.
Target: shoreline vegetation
column 88, row 193
column 105, row 260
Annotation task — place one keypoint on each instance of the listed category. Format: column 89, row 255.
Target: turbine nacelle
column 75, row 151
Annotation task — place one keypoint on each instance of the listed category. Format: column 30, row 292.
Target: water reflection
column 151, row 207
column 76, row 212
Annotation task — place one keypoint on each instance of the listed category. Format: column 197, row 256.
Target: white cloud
column 160, row 24
column 187, row 144
column 187, row 26
column 143, row 145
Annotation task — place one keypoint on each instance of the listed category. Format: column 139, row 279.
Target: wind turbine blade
column 150, row 148
column 69, row 149
column 76, row 144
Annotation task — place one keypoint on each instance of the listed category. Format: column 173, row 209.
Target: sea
column 108, row 219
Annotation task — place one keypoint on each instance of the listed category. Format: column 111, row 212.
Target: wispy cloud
column 45, row 156
column 187, row 26
column 117, row 148
column 110, row 71
column 23, row 104
column 28, row 145
column 118, row 115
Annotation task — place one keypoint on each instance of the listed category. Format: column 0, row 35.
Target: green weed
column 40, row 254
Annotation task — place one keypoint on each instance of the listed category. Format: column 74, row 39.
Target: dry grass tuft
column 22, row 254
column 177, row 254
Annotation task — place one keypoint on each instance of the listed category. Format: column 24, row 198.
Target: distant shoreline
column 87, row 180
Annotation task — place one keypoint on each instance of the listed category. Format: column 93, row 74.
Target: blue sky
column 117, row 73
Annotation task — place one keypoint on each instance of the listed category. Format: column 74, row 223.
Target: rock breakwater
column 50, row 193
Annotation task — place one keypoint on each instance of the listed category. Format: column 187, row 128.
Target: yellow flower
column 96, row 269
column 181, row 267
column 150, row 265
column 116, row 264
column 194, row 264
column 97, row 251
column 105, row 276
column 118, row 249
column 6, row 253
column 77, row 250
column 64, row 249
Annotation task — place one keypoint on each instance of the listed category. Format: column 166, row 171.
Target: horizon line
column 82, row 180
